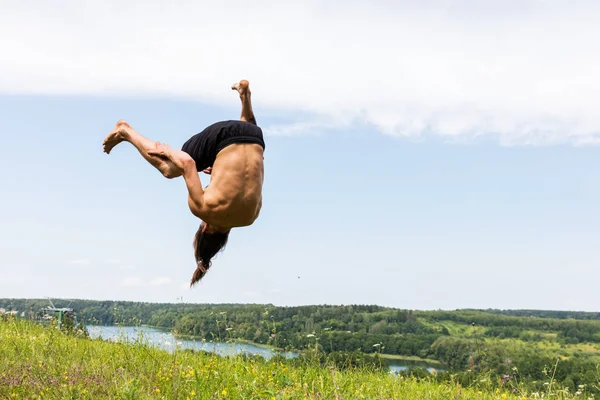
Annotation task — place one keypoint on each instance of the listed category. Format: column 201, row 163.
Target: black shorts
column 203, row 147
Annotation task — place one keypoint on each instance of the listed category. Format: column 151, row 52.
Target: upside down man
column 232, row 153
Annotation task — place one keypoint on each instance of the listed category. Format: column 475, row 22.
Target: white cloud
column 160, row 281
column 297, row 128
column 135, row 281
column 81, row 261
column 525, row 71
column 112, row 261
column 132, row 281
column 15, row 278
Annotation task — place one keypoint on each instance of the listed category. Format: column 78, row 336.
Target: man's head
column 207, row 243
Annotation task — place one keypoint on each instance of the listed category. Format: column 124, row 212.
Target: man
column 232, row 153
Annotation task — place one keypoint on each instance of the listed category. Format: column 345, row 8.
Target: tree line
column 506, row 342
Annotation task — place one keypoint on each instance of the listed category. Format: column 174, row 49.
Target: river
column 165, row 340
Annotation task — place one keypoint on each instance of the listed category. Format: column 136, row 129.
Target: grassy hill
column 41, row 362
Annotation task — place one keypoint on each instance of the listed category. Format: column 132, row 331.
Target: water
column 395, row 368
column 165, row 340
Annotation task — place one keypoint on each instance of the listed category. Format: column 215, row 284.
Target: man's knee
column 169, row 171
column 168, row 174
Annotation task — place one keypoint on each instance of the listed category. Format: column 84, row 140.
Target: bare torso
column 234, row 194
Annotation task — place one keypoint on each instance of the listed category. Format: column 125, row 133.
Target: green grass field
column 462, row 330
column 41, row 362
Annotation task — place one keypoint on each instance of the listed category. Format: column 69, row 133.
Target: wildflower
column 83, row 391
column 224, row 392
column 193, row 393
column 503, row 395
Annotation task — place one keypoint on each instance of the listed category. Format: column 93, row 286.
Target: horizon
column 442, row 156
column 299, row 305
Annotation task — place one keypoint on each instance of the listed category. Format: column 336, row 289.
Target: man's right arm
column 194, row 187
column 185, row 163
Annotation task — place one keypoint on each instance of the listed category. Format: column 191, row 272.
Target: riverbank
column 229, row 340
column 429, row 362
column 413, row 359
column 40, row 362
column 166, row 340
column 389, row 357
column 262, row 346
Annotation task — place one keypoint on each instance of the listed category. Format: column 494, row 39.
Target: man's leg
column 123, row 132
column 243, row 88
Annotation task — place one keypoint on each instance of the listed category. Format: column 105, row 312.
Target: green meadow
column 42, row 362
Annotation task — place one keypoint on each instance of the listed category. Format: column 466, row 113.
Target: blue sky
column 405, row 178
column 360, row 217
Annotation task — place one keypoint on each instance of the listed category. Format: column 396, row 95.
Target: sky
column 420, row 155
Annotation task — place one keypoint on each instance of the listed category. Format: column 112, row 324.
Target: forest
column 525, row 344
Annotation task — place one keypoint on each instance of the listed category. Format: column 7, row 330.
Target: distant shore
column 388, row 357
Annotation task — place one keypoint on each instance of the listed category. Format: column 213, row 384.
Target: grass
column 412, row 359
column 549, row 342
column 38, row 362
column 462, row 330
column 259, row 345
column 588, row 350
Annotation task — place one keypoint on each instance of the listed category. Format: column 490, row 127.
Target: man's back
column 235, row 190
column 233, row 150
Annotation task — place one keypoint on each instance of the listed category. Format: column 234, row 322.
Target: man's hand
column 166, row 152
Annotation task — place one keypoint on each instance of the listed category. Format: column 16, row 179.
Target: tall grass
column 38, row 362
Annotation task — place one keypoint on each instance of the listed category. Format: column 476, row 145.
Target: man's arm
column 186, row 164
column 194, row 187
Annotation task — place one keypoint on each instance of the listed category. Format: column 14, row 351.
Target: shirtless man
column 232, row 153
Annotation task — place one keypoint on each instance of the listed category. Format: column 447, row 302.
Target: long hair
column 206, row 246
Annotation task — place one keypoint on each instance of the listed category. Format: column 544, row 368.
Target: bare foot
column 243, row 87
column 118, row 134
